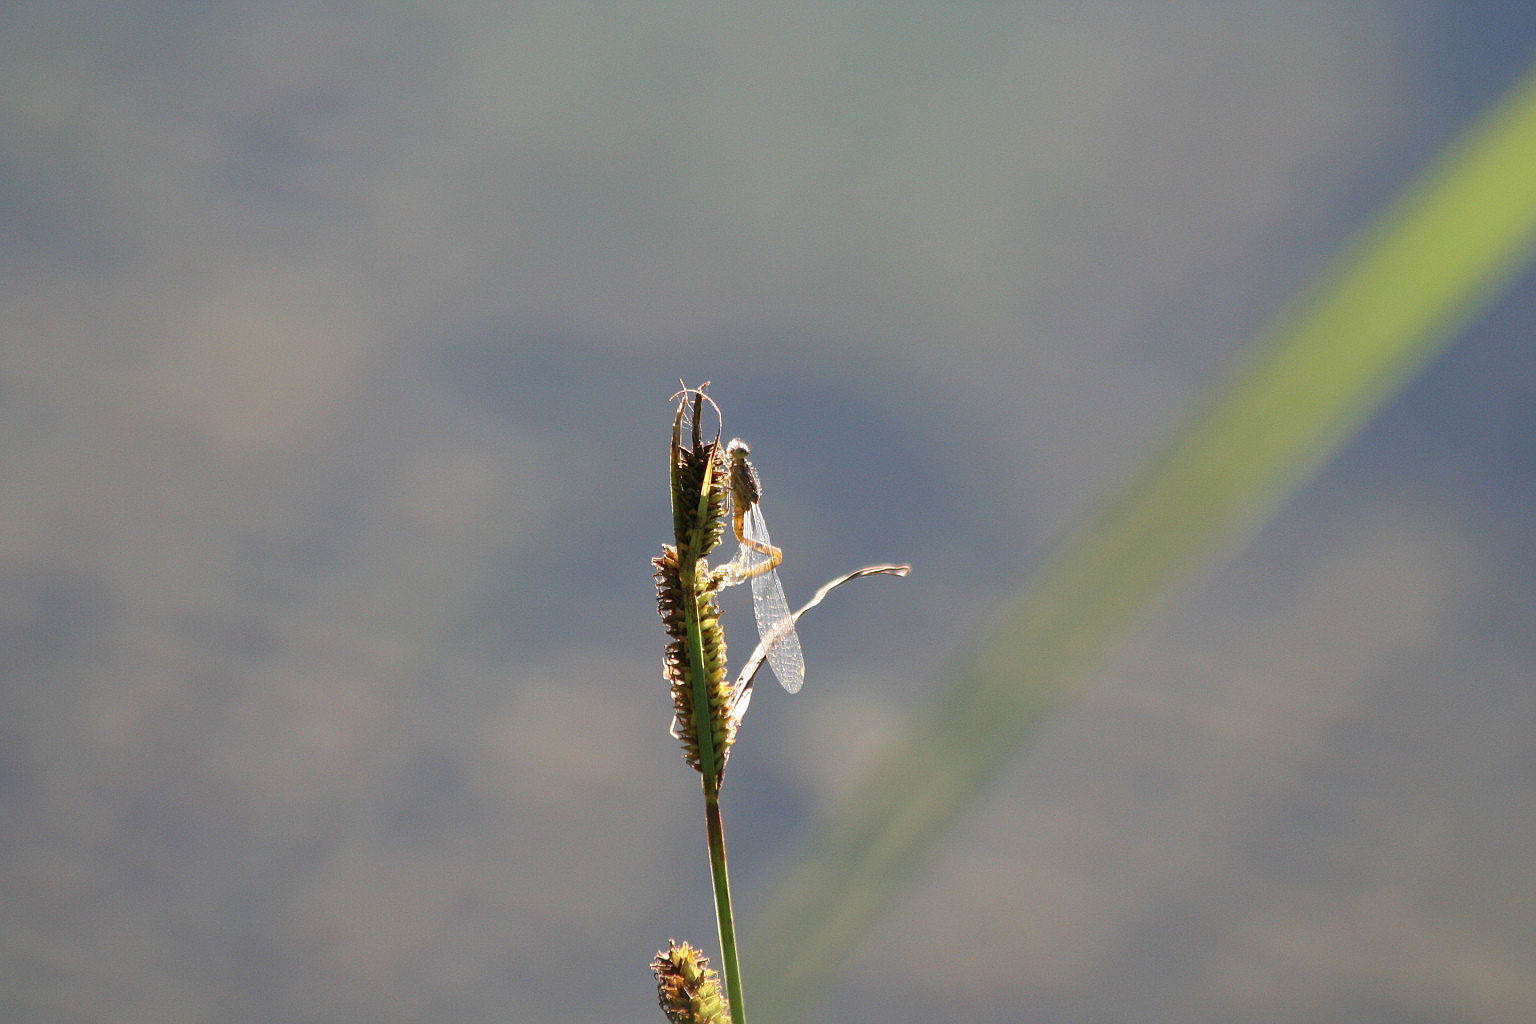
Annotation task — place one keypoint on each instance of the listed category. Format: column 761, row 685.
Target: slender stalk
column 730, row 963
column 709, row 757
column 711, row 767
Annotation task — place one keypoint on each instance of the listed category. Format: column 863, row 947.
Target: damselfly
column 757, row 560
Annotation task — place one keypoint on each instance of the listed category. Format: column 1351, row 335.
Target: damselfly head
column 746, row 490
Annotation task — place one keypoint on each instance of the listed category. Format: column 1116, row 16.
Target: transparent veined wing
column 775, row 623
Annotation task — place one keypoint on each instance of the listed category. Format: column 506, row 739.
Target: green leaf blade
column 1431, row 261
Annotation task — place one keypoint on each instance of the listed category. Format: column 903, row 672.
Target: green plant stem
column 710, row 768
column 730, row 963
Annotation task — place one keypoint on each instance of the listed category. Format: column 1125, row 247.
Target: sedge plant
column 712, row 485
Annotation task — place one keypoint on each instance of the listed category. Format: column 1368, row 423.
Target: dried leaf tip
column 688, row 990
column 698, row 476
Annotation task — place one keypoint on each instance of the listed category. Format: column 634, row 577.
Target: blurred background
column 337, row 346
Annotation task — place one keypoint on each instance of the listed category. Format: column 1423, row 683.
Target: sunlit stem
column 709, row 768
column 729, row 960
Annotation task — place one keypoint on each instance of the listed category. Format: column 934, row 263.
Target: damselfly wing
column 757, row 561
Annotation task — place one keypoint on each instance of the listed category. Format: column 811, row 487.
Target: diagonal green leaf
column 1430, row 262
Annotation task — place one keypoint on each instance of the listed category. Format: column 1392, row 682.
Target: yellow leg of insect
column 774, row 556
